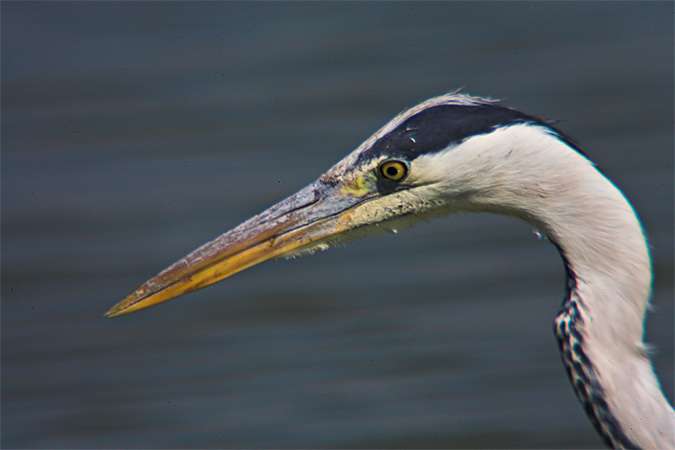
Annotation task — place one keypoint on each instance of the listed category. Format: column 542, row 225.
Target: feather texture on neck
column 527, row 170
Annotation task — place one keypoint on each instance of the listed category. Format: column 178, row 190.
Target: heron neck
column 600, row 328
column 610, row 279
column 610, row 276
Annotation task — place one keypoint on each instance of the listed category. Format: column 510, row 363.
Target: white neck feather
column 527, row 171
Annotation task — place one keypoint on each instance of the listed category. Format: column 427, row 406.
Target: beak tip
column 125, row 306
column 114, row 312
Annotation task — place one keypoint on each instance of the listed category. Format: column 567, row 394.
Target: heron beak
column 301, row 222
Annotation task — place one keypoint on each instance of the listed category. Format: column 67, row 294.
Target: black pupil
column 392, row 171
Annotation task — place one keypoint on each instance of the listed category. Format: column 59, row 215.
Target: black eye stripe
column 438, row 127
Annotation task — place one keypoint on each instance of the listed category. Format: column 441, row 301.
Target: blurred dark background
column 133, row 132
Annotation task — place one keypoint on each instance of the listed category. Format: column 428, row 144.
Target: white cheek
column 501, row 160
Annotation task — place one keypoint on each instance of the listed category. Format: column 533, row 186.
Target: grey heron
column 457, row 153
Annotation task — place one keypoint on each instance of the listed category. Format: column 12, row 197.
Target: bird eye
column 394, row 170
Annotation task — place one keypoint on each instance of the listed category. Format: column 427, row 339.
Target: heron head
column 407, row 170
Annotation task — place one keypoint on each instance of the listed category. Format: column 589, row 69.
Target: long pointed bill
column 303, row 221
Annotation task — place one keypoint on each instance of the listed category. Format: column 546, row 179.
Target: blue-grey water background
column 133, row 132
